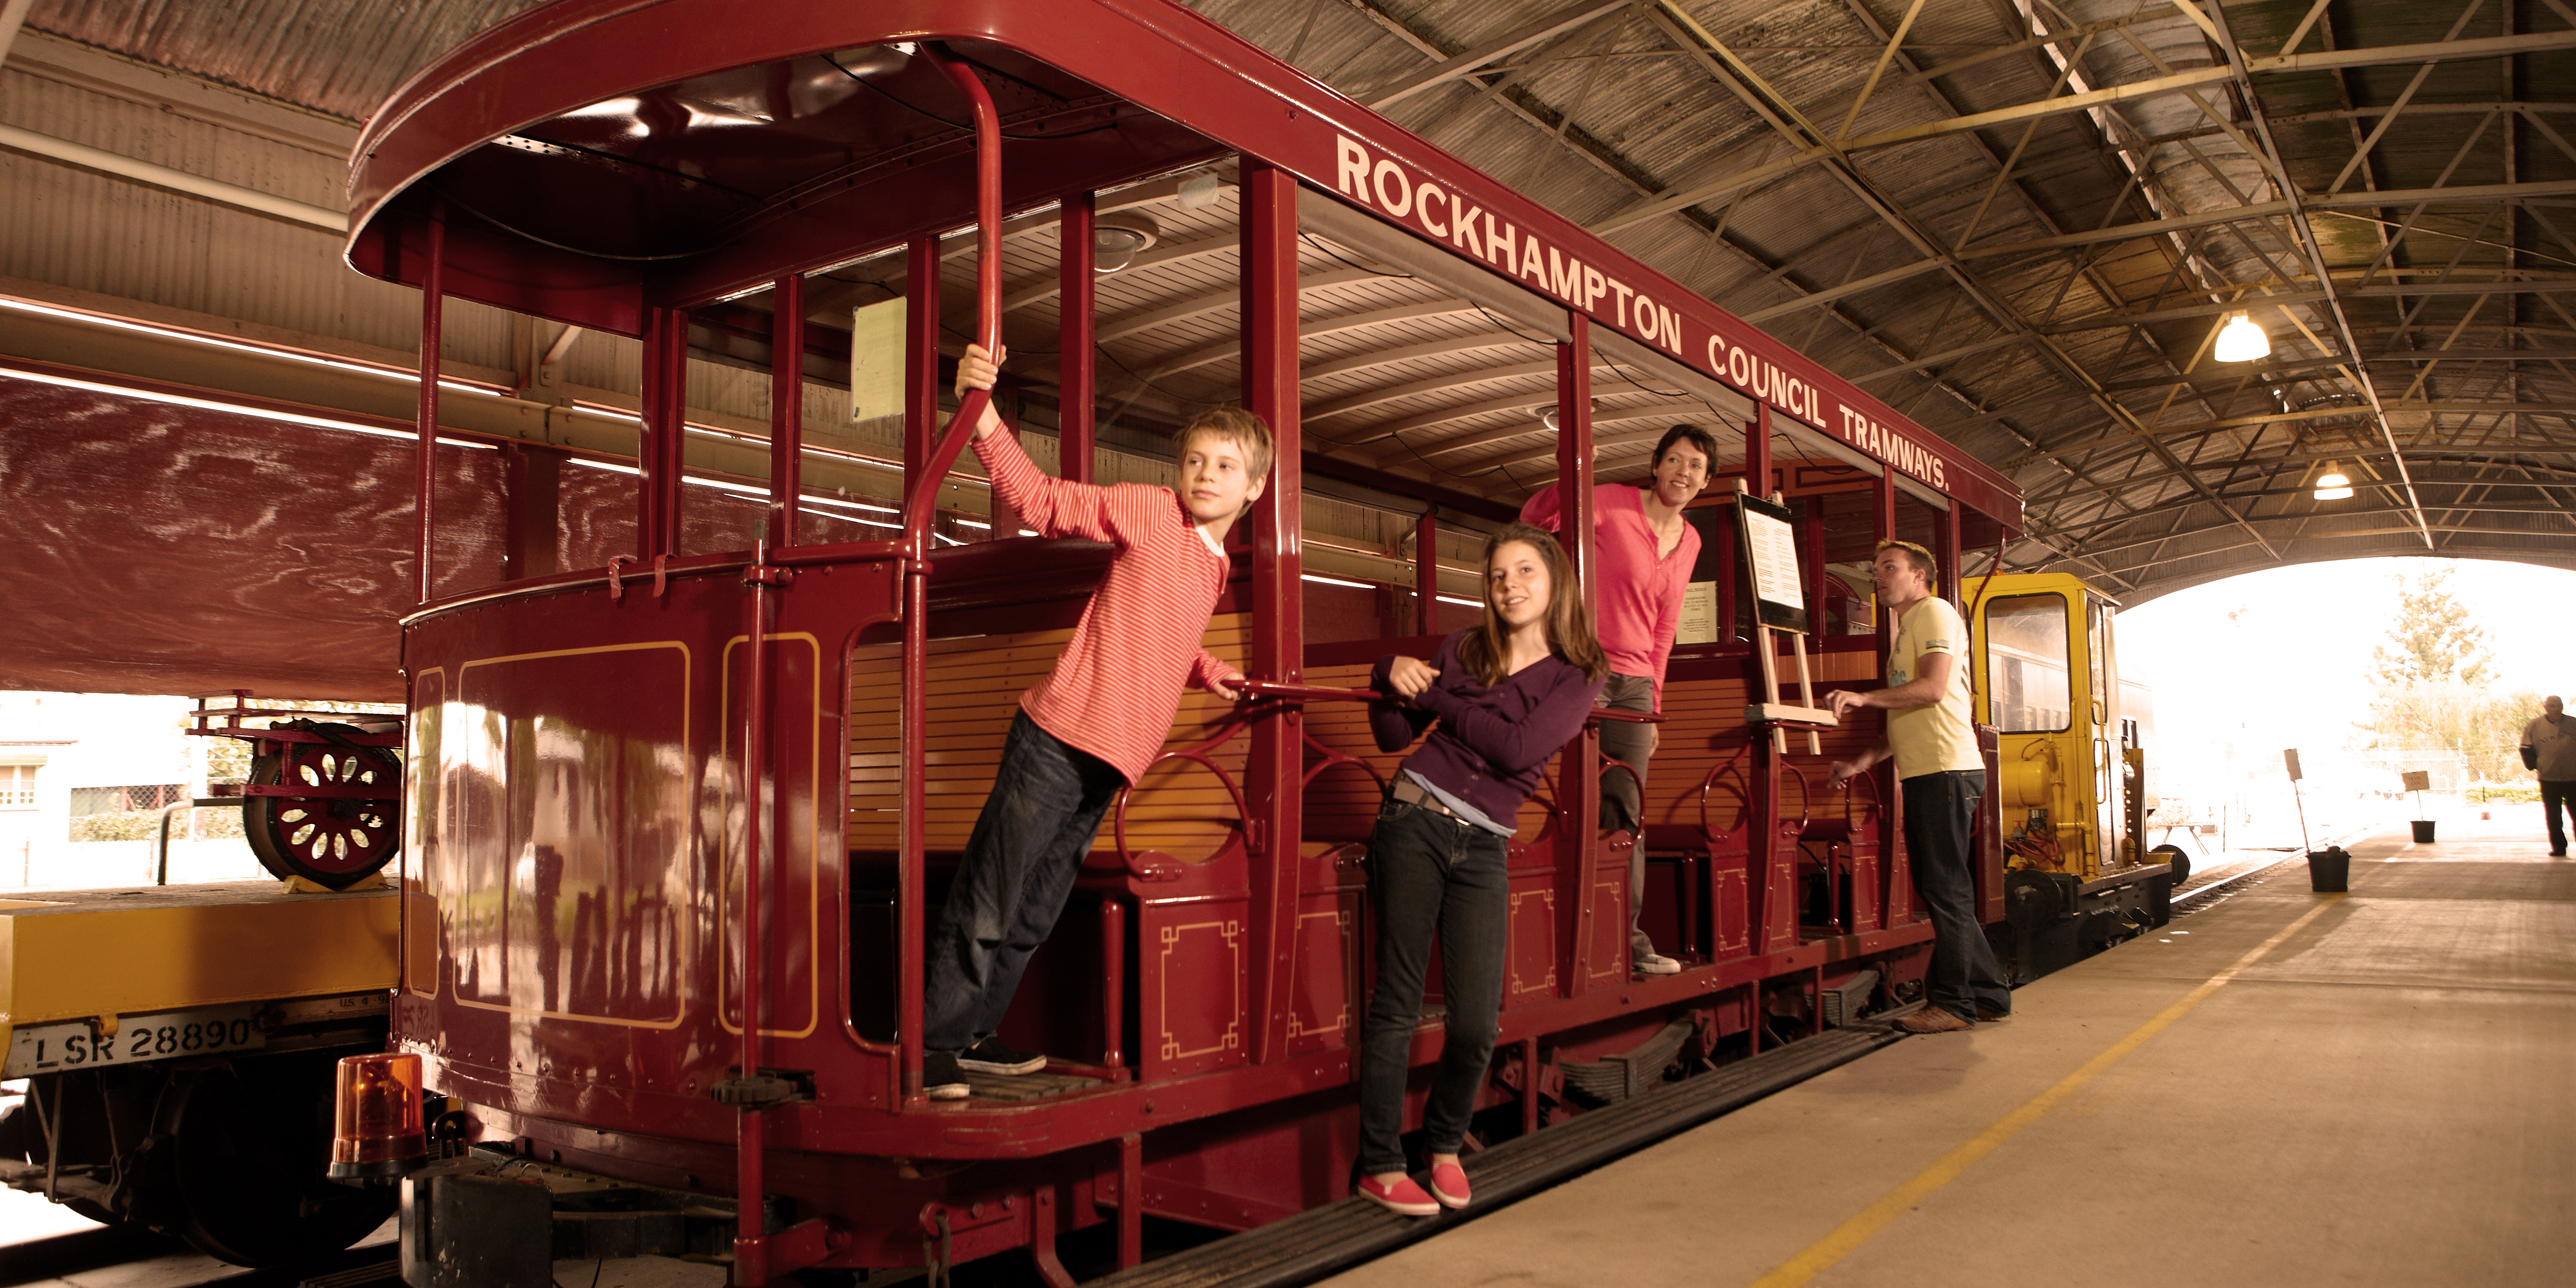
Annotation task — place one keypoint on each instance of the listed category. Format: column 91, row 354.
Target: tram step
column 1316, row 1243
column 1025, row 1086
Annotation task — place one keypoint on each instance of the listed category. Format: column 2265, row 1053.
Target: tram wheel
column 331, row 843
column 250, row 1149
column 2174, row 855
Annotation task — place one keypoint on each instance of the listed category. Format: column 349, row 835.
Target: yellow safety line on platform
column 1850, row 1235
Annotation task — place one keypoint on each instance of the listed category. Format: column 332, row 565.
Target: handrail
column 1258, row 690
column 1631, row 717
column 1709, row 780
column 1196, row 752
column 920, row 491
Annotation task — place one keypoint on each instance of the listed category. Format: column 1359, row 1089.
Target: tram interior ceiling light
column 2332, row 485
column 1548, row 418
column 2242, row 341
column 1118, row 236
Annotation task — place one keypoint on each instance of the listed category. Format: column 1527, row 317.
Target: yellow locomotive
column 2076, row 785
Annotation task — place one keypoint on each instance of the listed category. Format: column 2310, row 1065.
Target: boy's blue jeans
column 1020, row 862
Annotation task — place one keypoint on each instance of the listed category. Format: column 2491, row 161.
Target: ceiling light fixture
column 1118, row 236
column 2242, row 341
column 2332, row 485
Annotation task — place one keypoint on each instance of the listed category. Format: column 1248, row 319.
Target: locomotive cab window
column 2027, row 677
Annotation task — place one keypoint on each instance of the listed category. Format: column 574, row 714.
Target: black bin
column 2423, row 831
column 2329, row 870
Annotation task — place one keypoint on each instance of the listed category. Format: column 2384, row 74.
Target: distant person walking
column 1942, row 774
column 2549, row 747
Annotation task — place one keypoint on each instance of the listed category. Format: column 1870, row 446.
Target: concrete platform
column 2288, row 1088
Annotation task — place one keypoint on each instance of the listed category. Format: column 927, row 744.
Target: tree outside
column 2431, row 688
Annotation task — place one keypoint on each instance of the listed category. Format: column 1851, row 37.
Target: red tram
column 768, row 717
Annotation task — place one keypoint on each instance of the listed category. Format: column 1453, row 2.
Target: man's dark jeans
column 1020, row 862
column 1431, row 871
column 2557, row 799
column 1940, row 811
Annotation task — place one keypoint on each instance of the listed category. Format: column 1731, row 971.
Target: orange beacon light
column 376, row 1122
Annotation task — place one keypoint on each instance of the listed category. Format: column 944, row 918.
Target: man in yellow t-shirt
column 1941, row 774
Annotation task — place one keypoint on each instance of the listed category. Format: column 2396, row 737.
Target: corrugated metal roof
column 337, row 56
column 2039, row 360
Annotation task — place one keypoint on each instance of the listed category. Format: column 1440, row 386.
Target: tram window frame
column 2058, row 611
column 2097, row 660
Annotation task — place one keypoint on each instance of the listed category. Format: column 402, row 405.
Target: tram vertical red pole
column 1275, row 768
column 1882, row 527
column 920, row 352
column 1811, row 568
column 786, row 407
column 1945, row 551
column 1075, row 362
column 433, row 299
column 751, row 1229
column 921, row 483
column 1766, row 889
column 1757, row 451
column 661, row 442
column 1426, row 570
column 1578, row 774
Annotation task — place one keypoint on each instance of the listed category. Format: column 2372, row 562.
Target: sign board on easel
column 1779, row 604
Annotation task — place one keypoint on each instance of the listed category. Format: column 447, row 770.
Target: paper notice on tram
column 876, row 360
column 1699, row 614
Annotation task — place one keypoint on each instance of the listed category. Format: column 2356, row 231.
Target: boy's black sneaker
column 940, row 1079
column 990, row 1056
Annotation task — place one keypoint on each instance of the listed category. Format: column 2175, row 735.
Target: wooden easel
column 1774, row 714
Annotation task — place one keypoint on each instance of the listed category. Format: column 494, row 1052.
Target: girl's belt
column 1412, row 793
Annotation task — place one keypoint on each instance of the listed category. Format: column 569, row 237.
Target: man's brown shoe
column 1989, row 1015
column 1932, row 1019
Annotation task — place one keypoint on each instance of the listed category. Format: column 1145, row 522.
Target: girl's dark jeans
column 1429, row 871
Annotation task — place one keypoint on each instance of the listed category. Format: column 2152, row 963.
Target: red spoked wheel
column 331, row 842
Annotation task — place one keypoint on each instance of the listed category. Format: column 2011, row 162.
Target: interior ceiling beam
column 1785, row 118
column 1478, row 58
column 2215, row 22
column 2383, row 55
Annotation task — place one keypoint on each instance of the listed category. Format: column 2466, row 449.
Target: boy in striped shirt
column 1094, row 724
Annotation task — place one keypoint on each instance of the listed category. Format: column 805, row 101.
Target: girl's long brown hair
column 1569, row 619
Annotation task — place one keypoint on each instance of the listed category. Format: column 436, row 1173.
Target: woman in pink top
column 1646, row 554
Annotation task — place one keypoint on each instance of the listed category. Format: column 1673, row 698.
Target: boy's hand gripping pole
column 921, row 492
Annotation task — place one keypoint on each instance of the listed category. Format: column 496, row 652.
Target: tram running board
column 1336, row 1236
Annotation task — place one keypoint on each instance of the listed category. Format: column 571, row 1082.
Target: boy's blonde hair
column 1235, row 425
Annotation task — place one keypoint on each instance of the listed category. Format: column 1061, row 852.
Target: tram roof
column 599, row 157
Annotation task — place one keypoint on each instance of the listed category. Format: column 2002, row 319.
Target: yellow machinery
column 177, row 1043
column 2074, row 786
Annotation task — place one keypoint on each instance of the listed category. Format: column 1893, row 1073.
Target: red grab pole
column 433, row 297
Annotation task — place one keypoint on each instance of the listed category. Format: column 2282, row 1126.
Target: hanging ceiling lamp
column 2242, row 341
column 2332, row 485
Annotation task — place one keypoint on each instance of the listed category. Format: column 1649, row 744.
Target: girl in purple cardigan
column 1507, row 694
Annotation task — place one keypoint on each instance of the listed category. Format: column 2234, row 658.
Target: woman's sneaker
column 940, row 1079
column 1658, row 964
column 1449, row 1184
column 1401, row 1197
column 990, row 1056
